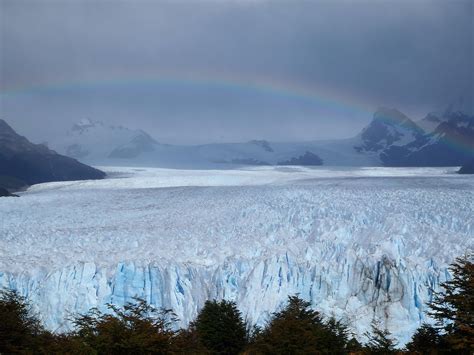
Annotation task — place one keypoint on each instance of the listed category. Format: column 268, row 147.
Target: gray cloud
column 416, row 56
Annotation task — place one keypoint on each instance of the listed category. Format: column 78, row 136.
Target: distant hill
column 95, row 141
column 307, row 159
column 5, row 193
column 447, row 139
column 390, row 139
column 24, row 163
column 467, row 168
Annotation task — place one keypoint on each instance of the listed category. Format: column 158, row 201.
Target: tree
column 354, row 346
column 426, row 340
column 220, row 327
column 380, row 341
column 20, row 328
column 453, row 307
column 137, row 328
column 187, row 341
column 298, row 329
column 337, row 335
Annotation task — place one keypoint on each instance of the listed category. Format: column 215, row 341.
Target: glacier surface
column 359, row 243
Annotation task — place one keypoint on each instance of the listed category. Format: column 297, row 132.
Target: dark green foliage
column 380, row 341
column 137, row 328
column 187, row 341
column 220, row 328
column 453, row 307
column 426, row 340
column 353, row 346
column 298, row 329
column 337, row 334
column 20, row 329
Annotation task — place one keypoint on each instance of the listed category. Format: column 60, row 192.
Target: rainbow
column 268, row 86
column 263, row 85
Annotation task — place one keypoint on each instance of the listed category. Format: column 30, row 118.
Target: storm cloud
column 208, row 71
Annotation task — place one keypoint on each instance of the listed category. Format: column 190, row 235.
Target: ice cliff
column 359, row 248
column 354, row 289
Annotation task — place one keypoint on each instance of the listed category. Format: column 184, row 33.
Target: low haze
column 212, row 71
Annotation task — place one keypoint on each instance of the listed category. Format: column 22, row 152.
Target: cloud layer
column 332, row 62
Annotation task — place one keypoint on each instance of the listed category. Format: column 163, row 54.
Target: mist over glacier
column 359, row 243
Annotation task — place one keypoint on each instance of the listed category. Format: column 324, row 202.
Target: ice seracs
column 359, row 243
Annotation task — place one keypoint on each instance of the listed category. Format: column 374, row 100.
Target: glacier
column 98, row 143
column 361, row 244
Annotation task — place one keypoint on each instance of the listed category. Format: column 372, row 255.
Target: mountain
column 24, row 163
column 467, row 168
column 390, row 139
column 445, row 139
column 389, row 128
column 141, row 143
column 431, row 121
column 5, row 193
column 96, row 142
column 451, row 143
column 307, row 159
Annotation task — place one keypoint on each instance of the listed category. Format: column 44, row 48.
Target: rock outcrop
column 29, row 163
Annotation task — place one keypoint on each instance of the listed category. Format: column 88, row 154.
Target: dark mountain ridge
column 467, row 168
column 399, row 141
column 24, row 163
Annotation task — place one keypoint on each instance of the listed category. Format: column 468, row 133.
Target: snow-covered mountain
column 100, row 144
column 450, row 143
column 388, row 128
column 390, row 139
column 94, row 141
column 440, row 139
column 431, row 121
column 359, row 243
column 459, row 107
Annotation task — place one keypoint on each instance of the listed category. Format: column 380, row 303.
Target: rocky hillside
column 389, row 128
column 447, row 139
column 5, row 193
column 24, row 163
column 467, row 168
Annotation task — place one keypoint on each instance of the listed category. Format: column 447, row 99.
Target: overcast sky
column 192, row 71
